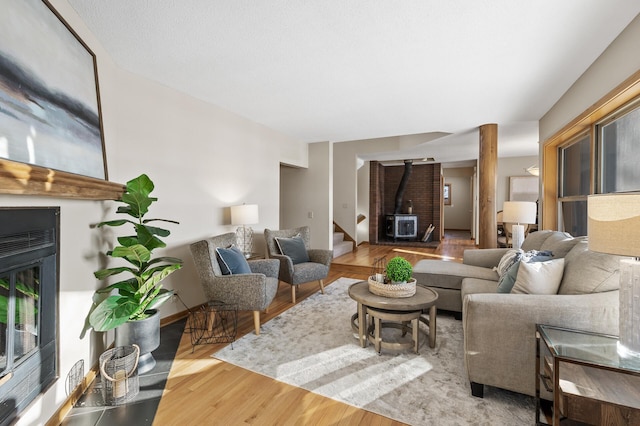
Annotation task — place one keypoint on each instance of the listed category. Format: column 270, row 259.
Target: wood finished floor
column 203, row 390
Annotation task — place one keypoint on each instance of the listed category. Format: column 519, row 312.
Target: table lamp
column 614, row 228
column 518, row 212
column 245, row 214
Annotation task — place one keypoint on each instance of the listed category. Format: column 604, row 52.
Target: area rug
column 312, row 346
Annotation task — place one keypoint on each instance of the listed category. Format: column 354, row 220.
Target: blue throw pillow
column 232, row 261
column 294, row 248
column 508, row 280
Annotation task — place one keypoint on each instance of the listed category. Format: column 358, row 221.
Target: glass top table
column 587, row 347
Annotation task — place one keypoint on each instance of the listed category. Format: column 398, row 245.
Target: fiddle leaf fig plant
column 399, row 269
column 132, row 298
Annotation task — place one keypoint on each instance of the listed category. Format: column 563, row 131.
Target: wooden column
column 487, row 178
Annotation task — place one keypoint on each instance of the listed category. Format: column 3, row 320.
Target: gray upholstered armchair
column 311, row 265
column 251, row 292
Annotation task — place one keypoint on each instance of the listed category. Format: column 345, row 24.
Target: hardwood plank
column 204, row 390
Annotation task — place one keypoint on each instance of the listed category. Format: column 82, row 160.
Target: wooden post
column 488, row 165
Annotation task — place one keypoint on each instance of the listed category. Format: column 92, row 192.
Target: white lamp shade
column 245, row 214
column 519, row 212
column 614, row 223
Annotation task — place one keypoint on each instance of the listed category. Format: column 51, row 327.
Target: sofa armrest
column 499, row 331
column 487, row 258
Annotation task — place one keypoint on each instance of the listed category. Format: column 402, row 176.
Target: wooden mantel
column 26, row 179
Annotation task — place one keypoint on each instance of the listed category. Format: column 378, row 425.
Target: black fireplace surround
column 29, row 243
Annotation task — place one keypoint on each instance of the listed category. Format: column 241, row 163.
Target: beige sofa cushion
column 560, row 243
column 586, row 271
column 535, row 240
column 445, row 274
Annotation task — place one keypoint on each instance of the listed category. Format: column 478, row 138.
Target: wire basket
column 119, row 370
column 379, row 269
column 217, row 322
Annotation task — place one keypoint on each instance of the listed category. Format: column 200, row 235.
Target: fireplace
column 401, row 226
column 28, row 305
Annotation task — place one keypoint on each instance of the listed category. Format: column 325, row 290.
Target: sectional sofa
column 499, row 328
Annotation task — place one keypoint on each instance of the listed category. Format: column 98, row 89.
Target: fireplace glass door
column 19, row 292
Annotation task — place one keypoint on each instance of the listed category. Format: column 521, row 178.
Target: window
column 619, row 153
column 611, row 125
column 574, row 185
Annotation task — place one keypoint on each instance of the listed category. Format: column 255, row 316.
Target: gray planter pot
column 144, row 333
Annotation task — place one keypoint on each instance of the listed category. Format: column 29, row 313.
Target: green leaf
column 4, row 309
column 137, row 254
column 27, row 291
column 112, row 312
column 172, row 260
column 158, row 276
column 104, row 273
column 161, row 220
column 147, row 238
column 129, row 286
column 163, row 296
column 128, row 241
column 156, row 231
column 117, row 222
column 137, row 196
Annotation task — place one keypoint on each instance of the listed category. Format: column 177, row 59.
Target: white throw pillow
column 508, row 259
column 539, row 277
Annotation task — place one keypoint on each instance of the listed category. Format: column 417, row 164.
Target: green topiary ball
column 399, row 269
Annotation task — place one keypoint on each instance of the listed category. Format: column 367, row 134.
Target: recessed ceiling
column 339, row 70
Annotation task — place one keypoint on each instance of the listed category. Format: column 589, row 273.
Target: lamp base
column 517, row 236
column 244, row 239
column 629, row 343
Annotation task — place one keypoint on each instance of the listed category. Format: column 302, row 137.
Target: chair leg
column 256, row 321
column 211, row 320
column 293, row 294
column 321, row 286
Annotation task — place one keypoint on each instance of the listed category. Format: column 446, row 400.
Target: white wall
column 362, row 190
column 507, row 167
column 306, row 196
column 347, row 200
column 202, row 159
column 619, row 61
column 459, row 214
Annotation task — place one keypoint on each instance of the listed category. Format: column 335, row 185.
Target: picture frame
column 50, row 113
column 446, row 194
column 524, row 188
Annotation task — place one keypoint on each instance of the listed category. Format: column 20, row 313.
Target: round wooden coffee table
column 399, row 310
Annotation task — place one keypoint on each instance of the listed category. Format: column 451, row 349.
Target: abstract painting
column 49, row 98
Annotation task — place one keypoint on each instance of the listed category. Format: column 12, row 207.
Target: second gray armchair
column 299, row 264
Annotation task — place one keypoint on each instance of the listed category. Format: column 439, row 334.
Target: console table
column 589, row 381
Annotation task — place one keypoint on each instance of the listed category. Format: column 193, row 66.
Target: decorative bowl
column 392, row 290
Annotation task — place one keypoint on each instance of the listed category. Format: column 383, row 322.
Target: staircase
column 342, row 242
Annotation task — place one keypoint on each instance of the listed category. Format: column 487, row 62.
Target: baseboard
column 72, row 399
column 179, row 315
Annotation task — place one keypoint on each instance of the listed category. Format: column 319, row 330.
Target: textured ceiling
column 337, row 70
